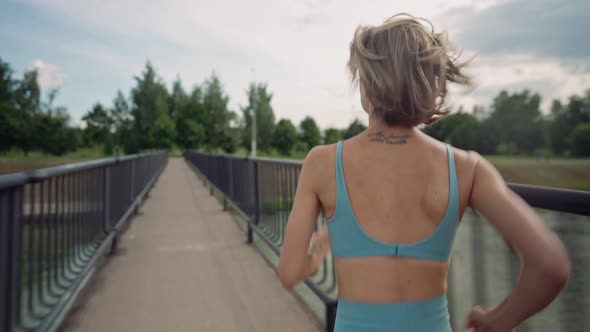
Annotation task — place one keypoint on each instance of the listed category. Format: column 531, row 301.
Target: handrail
column 557, row 199
column 12, row 179
column 55, row 223
column 563, row 200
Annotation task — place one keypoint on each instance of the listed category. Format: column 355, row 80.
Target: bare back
column 399, row 194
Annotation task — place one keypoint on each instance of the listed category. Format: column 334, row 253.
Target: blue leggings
column 429, row 315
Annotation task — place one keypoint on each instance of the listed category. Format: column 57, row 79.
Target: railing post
column 6, row 220
column 10, row 257
column 230, row 178
column 331, row 308
column 224, row 188
column 132, row 181
column 107, row 199
column 225, row 161
column 256, row 202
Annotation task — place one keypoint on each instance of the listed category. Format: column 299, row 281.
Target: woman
column 393, row 198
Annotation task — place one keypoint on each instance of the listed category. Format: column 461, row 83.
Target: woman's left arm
column 297, row 262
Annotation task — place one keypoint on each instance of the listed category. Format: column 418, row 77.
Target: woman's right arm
column 545, row 263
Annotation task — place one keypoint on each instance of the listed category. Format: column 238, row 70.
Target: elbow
column 286, row 278
column 561, row 273
column 558, row 271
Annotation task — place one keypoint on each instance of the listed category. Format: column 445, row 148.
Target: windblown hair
column 404, row 69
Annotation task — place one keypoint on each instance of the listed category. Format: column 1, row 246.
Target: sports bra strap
column 453, row 186
column 341, row 194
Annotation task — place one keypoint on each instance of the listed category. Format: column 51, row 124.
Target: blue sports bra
column 348, row 239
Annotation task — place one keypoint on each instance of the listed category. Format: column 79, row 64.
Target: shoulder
column 477, row 164
column 466, row 159
column 467, row 163
column 320, row 155
column 317, row 165
column 476, row 170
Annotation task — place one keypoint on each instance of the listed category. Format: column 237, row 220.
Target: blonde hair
column 404, row 69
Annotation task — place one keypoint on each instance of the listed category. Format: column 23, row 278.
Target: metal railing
column 261, row 190
column 54, row 225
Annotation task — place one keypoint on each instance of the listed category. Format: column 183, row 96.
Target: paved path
column 183, row 265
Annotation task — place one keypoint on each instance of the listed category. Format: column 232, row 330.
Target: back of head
column 403, row 70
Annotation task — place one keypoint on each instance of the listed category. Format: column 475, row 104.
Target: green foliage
column 465, row 135
column 507, row 149
column 54, row 134
column 443, row 129
column 310, row 133
column 285, row 136
column 579, row 140
column 120, row 114
column 356, row 127
column 163, row 132
column 487, row 137
column 259, row 99
column 149, row 101
column 99, row 125
column 332, row 135
column 216, row 117
column 566, row 119
column 300, row 147
column 189, row 120
column 9, row 116
column 518, row 120
column 152, row 116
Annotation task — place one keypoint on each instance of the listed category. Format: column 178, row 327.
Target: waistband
column 432, row 312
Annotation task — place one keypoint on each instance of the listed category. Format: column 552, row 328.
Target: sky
column 90, row 49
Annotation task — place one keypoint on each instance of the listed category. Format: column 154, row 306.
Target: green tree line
column 514, row 125
column 153, row 116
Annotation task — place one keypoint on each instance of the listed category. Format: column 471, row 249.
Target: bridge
column 144, row 243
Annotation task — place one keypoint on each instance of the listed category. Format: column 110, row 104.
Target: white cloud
column 550, row 77
column 299, row 47
column 49, row 76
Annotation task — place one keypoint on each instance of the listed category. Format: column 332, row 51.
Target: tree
column 6, row 82
column 177, row 98
column 216, row 116
column 565, row 119
column 310, row 132
column 465, row 135
column 332, row 135
column 518, row 119
column 487, row 137
column 163, row 132
column 356, row 127
column 579, row 140
column 149, row 101
column 189, row 128
column 259, row 98
column 99, row 125
column 27, row 102
column 55, row 136
column 285, row 136
column 459, row 129
column 443, row 128
column 10, row 122
column 122, row 127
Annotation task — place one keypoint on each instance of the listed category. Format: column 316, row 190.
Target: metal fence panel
column 54, row 223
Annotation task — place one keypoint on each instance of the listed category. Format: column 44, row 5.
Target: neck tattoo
column 380, row 137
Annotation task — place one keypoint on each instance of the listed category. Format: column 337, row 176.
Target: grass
column 560, row 172
column 297, row 155
column 16, row 161
column 557, row 172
